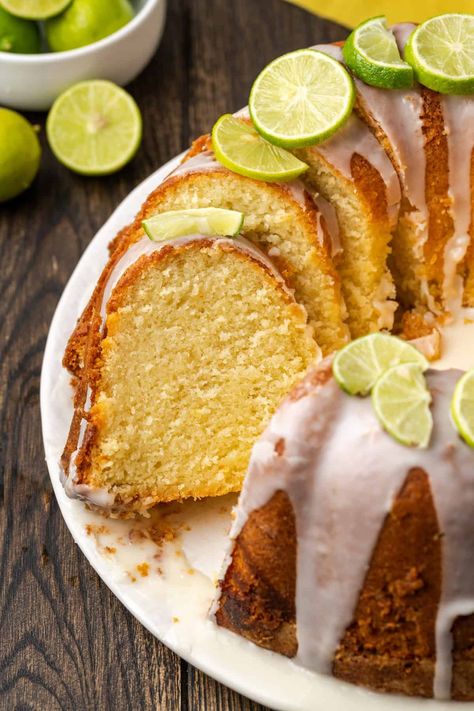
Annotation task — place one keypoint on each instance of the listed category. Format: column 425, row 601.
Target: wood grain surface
column 65, row 641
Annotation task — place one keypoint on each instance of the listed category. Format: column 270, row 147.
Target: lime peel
column 301, row 98
column 401, row 401
column 371, row 52
column 213, row 221
column 239, row 147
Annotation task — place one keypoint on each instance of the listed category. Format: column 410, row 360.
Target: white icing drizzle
column 356, row 137
column 204, row 161
column 326, row 210
column 340, row 509
column 458, row 112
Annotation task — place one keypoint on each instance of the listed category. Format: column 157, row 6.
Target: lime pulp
column 462, row 407
column 239, row 147
column 35, row 9
column 203, row 221
column 94, row 128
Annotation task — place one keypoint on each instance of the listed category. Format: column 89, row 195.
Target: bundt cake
column 197, row 341
column 353, row 554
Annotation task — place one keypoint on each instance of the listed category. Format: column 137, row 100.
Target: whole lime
column 85, row 22
column 20, row 154
column 17, row 35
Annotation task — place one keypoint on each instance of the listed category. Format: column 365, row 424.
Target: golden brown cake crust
column 389, row 645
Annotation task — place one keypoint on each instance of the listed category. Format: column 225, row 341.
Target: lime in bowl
column 33, row 81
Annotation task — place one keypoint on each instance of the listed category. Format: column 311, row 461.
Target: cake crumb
column 175, row 619
column 143, row 569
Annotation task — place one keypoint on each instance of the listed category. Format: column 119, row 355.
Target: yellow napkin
column 351, row 12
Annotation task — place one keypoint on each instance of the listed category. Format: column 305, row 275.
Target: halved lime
column 401, row 401
column 202, row 221
column 35, row 9
column 18, row 35
column 462, row 407
column 358, row 365
column 239, row 147
column 441, row 52
column 94, row 128
column 371, row 52
column 301, row 98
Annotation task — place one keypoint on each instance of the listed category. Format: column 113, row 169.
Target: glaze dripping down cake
column 353, row 554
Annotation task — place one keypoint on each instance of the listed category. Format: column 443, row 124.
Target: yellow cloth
column 351, row 12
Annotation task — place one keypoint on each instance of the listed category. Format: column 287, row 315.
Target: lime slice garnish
column 94, row 128
column 462, row 407
column 239, row 147
column 18, row 35
column 371, row 52
column 358, row 365
column 401, row 401
column 441, row 51
column 203, row 221
column 20, row 154
column 301, row 98
column 35, row 9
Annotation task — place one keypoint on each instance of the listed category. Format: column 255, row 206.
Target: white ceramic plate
column 163, row 569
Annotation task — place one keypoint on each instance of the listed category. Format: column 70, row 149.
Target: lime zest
column 371, row 52
column 94, row 128
column 213, row 221
column 401, row 401
column 301, row 98
column 462, row 407
column 441, row 52
column 239, row 147
column 358, row 365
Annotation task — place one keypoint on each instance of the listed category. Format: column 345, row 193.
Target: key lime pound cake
column 352, row 553
column 198, row 342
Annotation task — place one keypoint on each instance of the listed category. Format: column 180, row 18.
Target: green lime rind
column 441, row 52
column 35, row 9
column 401, row 401
column 18, row 36
column 357, row 366
column 462, row 407
column 301, row 99
column 85, row 22
column 239, row 147
column 371, row 53
column 213, row 221
column 94, row 128
column 20, row 154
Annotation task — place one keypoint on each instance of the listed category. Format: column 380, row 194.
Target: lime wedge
column 401, row 401
column 462, row 407
column 94, row 128
column 371, row 52
column 441, row 52
column 202, row 221
column 358, row 365
column 35, row 9
column 239, row 147
column 301, row 98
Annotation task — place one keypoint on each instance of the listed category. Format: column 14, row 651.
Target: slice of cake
column 297, row 233
column 353, row 554
column 353, row 173
column 196, row 342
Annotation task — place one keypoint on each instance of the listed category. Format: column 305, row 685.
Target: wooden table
column 65, row 640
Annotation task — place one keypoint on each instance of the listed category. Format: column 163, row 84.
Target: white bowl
column 33, row 81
